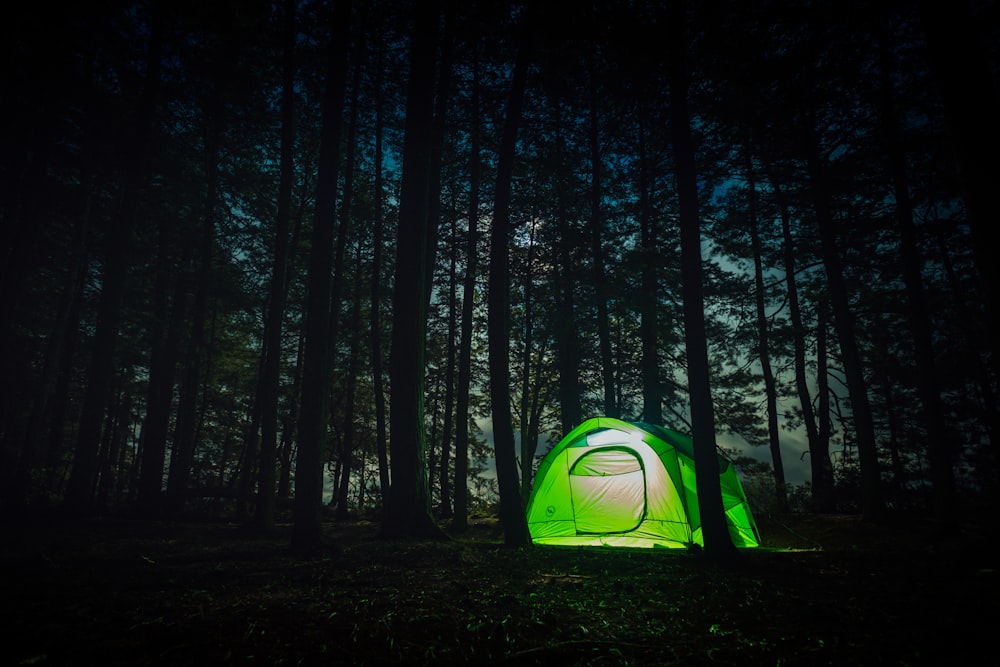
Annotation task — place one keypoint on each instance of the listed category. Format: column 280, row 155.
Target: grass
column 824, row 590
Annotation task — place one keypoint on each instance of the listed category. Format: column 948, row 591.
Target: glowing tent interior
column 614, row 483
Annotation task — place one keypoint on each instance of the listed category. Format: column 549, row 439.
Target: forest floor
column 824, row 590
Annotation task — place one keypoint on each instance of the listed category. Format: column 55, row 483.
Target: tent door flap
column 608, row 488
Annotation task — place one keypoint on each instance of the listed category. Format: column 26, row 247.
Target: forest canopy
column 266, row 255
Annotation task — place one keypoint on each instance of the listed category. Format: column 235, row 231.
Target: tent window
column 605, row 462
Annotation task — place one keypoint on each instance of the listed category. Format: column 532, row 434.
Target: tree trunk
column 652, row 395
column 165, row 344
column 375, row 314
column 307, row 529
column 79, row 495
column 529, row 429
column 271, row 376
column 447, row 428
column 938, row 443
column 347, row 441
column 182, row 455
column 33, row 451
column 247, row 498
column 461, row 510
column 843, row 322
column 55, row 443
column 570, row 405
column 824, row 419
column 718, row 544
column 408, row 511
column 438, row 126
column 597, row 257
column 288, row 451
column 353, row 370
column 525, row 409
column 957, row 47
column 763, row 350
column 498, row 301
column 821, row 468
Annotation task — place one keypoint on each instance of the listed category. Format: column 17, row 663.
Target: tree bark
column 958, row 55
column 32, row 456
column 447, row 428
column 718, row 544
column 408, row 511
column 928, row 386
column 597, row 257
column 570, row 405
column 460, row 519
column 375, row 315
column 820, row 465
column 307, row 528
column 185, row 441
column 353, row 370
column 271, row 377
column 165, row 337
column 652, row 395
column 843, row 321
column 438, row 127
column 528, row 446
column 763, row 349
column 79, row 495
column 498, row 300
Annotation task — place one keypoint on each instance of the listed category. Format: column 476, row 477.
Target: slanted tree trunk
column 820, row 465
column 408, row 510
column 763, row 349
column 498, row 300
column 843, row 318
column 307, row 529
column 718, row 544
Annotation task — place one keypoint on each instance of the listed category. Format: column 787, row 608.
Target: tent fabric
column 610, row 482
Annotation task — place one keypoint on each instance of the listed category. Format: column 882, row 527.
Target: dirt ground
column 824, row 590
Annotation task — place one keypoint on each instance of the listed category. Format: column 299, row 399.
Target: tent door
column 608, row 488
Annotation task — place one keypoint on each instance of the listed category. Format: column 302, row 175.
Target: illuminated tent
column 613, row 483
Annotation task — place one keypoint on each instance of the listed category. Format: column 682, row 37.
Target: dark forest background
column 265, row 255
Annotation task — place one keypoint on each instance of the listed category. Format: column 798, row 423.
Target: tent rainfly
column 613, row 483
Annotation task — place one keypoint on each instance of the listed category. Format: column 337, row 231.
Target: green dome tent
column 614, row 483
